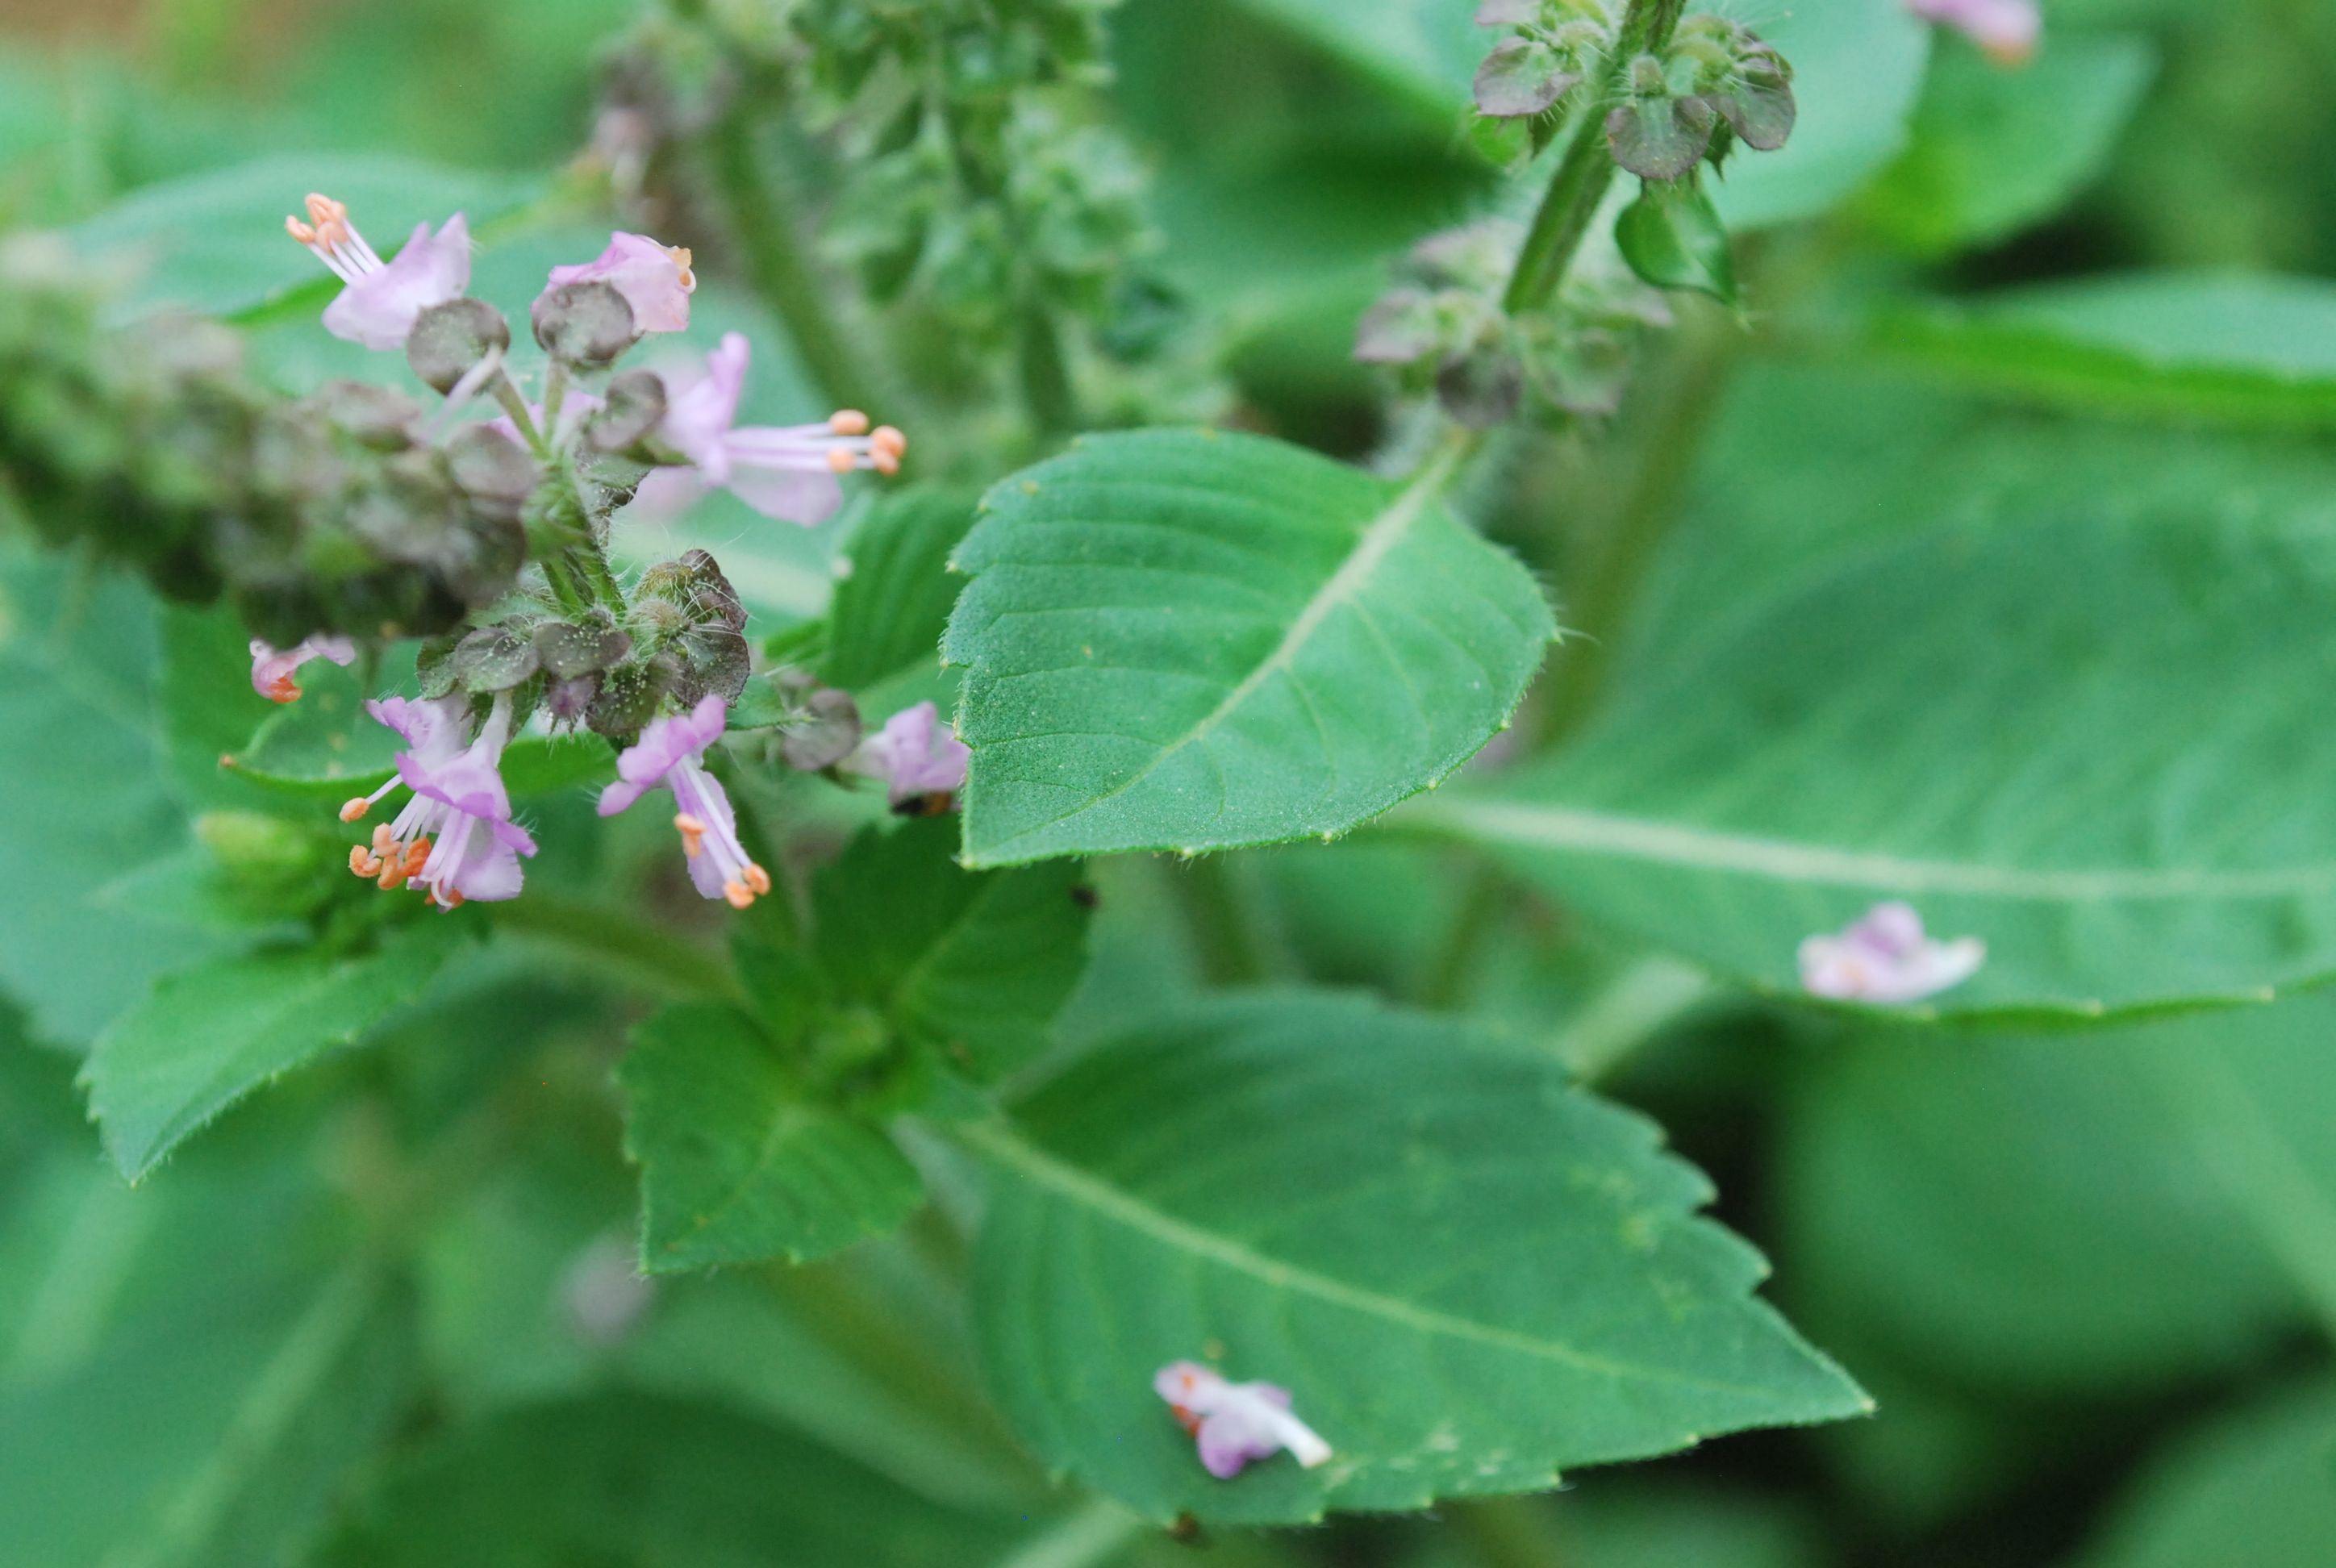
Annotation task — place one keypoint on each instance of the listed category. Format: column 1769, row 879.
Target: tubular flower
column 272, row 669
column 915, row 756
column 654, row 279
column 459, row 800
column 667, row 754
column 382, row 298
column 787, row 471
column 2006, row 30
column 1235, row 1422
column 1884, row 956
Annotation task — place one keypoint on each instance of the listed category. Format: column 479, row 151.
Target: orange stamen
column 681, row 260
column 738, row 894
column 282, row 689
column 756, row 878
column 353, row 807
column 363, row 865
column 848, row 422
column 693, row 834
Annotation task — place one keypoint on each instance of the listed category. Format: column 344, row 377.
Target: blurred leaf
column 82, row 798
column 215, row 243
column 893, row 588
column 738, row 1163
column 972, row 965
column 622, row 1480
column 2237, row 347
column 1182, row 640
column 1994, row 151
column 1937, row 716
column 2023, row 1212
column 163, row 1410
column 2257, row 1488
column 208, row 1036
column 1522, row 1288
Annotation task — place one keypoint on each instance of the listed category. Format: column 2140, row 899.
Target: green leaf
column 208, row 1036
column 628, row 1478
column 2104, row 784
column 1469, row 1274
column 972, row 965
column 166, row 1411
column 1672, row 239
column 82, row 799
column 738, row 1164
column 215, row 243
column 2251, row 1488
column 2245, row 349
column 1180, row 639
column 1995, row 150
column 894, row 588
column 2021, row 1211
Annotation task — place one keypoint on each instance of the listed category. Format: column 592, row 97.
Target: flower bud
column 822, row 732
column 635, row 405
column 584, row 325
column 451, row 340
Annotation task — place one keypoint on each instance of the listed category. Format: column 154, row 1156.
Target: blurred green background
column 2098, row 1329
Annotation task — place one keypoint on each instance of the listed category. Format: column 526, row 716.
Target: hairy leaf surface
column 1470, row 1274
column 738, row 1163
column 1182, row 640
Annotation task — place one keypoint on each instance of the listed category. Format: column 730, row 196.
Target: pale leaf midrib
column 1594, row 833
column 1373, row 543
column 1068, row 1181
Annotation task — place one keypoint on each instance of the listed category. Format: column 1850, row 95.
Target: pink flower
column 271, row 670
column 914, row 755
column 1235, row 1422
column 378, row 306
column 1885, row 958
column 654, row 279
column 781, row 471
column 667, row 754
column 458, row 798
column 2008, row 30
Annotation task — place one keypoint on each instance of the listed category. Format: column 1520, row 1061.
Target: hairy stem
column 1586, row 171
column 774, row 260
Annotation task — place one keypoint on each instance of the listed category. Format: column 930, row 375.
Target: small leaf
column 1673, row 239
column 208, row 1036
column 1523, row 76
column 973, row 965
column 1469, row 1274
column 893, row 600
column 738, row 1164
column 1178, row 639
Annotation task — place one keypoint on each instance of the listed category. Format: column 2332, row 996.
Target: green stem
column 1482, row 900
column 1632, row 1009
column 1094, row 1534
column 614, row 941
column 1507, row 1533
column 555, row 393
column 1586, row 170
column 507, row 395
column 1607, row 580
column 1047, row 390
column 774, row 261
column 1222, row 933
